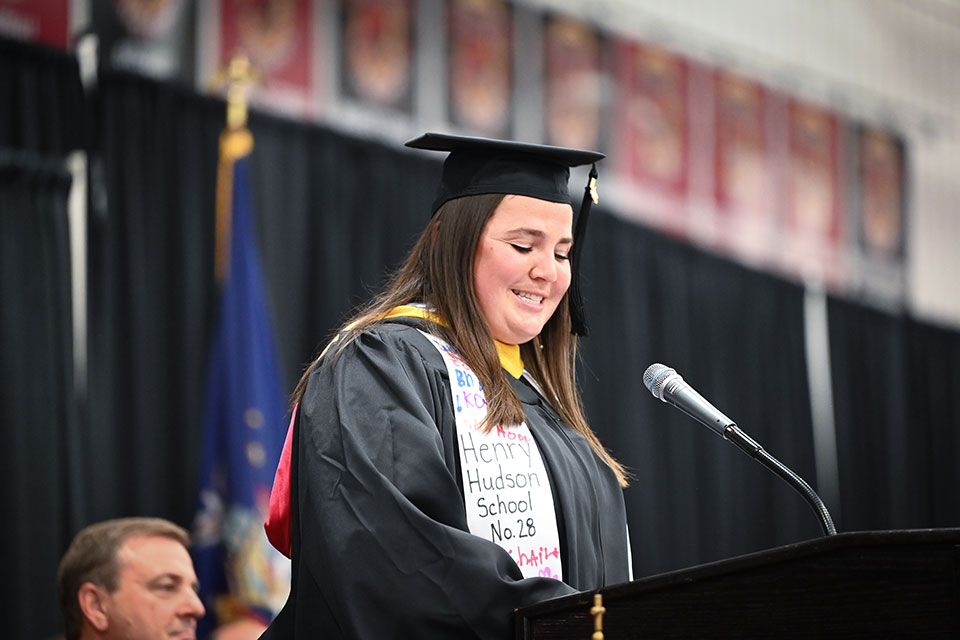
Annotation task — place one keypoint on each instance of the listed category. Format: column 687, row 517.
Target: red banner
column 276, row 36
column 813, row 183
column 574, row 84
column 813, row 225
column 742, row 164
column 378, row 52
column 652, row 116
column 480, row 75
column 744, row 168
column 43, row 21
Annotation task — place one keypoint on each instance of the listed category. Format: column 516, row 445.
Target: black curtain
column 42, row 119
column 336, row 214
column 333, row 214
column 932, row 382
column 152, row 294
column 42, row 105
column 897, row 410
column 41, row 470
column 736, row 336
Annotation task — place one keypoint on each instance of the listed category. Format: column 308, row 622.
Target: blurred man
column 129, row 579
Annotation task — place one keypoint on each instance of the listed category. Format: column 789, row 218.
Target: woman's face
column 522, row 267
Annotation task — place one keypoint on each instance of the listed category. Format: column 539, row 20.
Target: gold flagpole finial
column 236, row 141
column 240, row 75
column 235, row 80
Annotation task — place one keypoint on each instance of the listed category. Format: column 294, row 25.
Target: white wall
column 890, row 62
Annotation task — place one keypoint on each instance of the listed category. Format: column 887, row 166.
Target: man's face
column 156, row 594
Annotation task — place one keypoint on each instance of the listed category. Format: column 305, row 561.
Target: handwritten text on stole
column 506, row 490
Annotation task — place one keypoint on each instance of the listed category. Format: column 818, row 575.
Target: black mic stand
column 750, row 447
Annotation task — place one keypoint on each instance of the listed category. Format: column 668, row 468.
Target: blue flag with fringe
column 241, row 575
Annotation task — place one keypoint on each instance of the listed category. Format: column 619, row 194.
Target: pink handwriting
column 510, row 434
column 535, row 557
column 547, row 573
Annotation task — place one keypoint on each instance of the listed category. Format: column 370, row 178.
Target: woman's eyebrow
column 536, row 233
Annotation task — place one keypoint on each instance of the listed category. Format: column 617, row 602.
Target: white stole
column 506, row 489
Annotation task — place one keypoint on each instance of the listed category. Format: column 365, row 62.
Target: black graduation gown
column 381, row 547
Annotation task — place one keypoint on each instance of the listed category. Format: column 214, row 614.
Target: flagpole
column 242, row 577
column 236, row 141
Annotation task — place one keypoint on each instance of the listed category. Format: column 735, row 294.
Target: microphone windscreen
column 655, row 377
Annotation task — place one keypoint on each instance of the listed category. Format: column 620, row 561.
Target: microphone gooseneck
column 668, row 386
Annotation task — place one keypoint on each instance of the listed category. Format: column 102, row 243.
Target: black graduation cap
column 477, row 166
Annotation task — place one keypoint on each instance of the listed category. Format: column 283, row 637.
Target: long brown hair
column 439, row 273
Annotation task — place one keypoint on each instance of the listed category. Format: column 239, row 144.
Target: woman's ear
column 93, row 605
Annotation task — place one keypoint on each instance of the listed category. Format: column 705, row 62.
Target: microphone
column 668, row 386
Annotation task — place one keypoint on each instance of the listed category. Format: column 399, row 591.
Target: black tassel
column 578, row 319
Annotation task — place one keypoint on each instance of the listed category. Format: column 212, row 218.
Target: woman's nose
column 545, row 267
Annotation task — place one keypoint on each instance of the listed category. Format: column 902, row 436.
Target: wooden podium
column 877, row 584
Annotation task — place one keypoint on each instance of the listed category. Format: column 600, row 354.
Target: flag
column 240, row 573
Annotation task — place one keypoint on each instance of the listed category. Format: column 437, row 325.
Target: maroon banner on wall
column 653, row 115
column 378, row 52
column 743, row 181
column 42, row 21
column 880, row 180
column 744, row 167
column 277, row 37
column 813, row 186
column 651, row 145
column 480, row 71
column 574, row 84
column 814, row 229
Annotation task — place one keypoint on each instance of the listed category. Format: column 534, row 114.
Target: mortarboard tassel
column 578, row 319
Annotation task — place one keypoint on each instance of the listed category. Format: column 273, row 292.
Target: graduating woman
column 442, row 472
